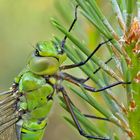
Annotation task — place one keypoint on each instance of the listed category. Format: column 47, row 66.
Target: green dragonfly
column 30, row 99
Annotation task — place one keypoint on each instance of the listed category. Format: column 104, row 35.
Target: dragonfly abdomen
column 35, row 105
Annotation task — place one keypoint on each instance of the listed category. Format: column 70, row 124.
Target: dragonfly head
column 49, row 49
column 46, row 58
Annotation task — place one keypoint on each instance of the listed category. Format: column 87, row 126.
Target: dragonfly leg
column 72, row 25
column 105, row 87
column 73, row 80
column 90, row 116
column 96, row 117
column 83, row 80
column 106, row 62
column 68, row 103
column 84, row 62
column 67, row 76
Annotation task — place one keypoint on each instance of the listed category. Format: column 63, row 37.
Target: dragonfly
column 29, row 101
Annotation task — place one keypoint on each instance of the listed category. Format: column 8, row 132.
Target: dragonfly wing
column 8, row 115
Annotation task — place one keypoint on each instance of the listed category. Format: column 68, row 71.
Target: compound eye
column 59, row 50
column 36, row 52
